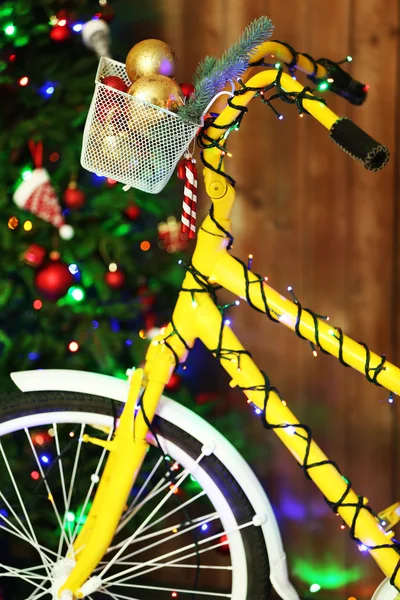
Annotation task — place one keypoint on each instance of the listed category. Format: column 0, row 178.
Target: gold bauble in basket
column 114, row 147
column 158, row 90
column 150, row 57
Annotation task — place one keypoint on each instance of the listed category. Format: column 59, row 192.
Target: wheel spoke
column 174, row 535
column 128, row 515
column 178, row 590
column 35, row 542
column 168, row 529
column 173, row 489
column 44, row 478
column 174, row 552
column 177, row 565
column 12, row 572
column 63, row 488
column 35, row 596
column 91, row 488
column 16, row 517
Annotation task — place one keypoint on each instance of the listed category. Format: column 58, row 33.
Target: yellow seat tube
column 332, row 484
column 230, row 274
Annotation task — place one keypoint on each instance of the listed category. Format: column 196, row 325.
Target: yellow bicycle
column 127, row 495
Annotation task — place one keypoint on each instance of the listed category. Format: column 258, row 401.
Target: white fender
column 385, row 591
column 117, row 389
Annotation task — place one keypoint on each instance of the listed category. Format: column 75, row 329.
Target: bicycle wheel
column 188, row 530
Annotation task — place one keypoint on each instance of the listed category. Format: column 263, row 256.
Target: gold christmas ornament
column 150, row 57
column 158, row 90
column 116, row 120
column 114, row 146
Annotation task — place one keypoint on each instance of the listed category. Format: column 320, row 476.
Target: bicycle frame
column 196, row 316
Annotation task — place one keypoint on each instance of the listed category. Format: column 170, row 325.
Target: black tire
column 17, row 404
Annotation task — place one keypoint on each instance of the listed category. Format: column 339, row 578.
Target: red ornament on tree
column 223, row 540
column 170, row 236
column 188, row 89
column 60, row 33
column 174, row 383
column 115, row 279
column 132, row 211
column 34, row 255
column 53, row 280
column 73, row 197
column 115, row 82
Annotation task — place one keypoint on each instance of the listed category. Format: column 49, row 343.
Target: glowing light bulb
column 277, row 65
column 237, row 302
column 280, row 117
column 204, row 527
column 73, row 346
column 24, row 81
column 37, row 304
column 315, row 587
column 35, row 475
column 323, row 86
column 77, row 27
column 227, row 322
column 28, row 225
column 349, row 58
column 70, row 517
column 73, row 268
column 26, row 173
column 362, row 548
column 45, row 459
column 76, row 293
column 290, row 430
column 194, row 304
column 9, row 29
column 113, row 267
column 330, row 80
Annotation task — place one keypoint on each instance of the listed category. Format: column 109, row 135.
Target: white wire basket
column 131, row 141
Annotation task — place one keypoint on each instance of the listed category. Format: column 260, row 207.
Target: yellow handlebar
column 281, row 52
column 223, row 122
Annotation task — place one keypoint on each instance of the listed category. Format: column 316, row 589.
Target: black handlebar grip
column 343, row 84
column 359, row 144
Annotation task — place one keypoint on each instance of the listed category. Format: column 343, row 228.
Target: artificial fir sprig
column 214, row 74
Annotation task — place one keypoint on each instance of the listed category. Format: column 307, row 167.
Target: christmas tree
column 75, row 303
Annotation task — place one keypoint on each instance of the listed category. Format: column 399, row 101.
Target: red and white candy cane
column 187, row 171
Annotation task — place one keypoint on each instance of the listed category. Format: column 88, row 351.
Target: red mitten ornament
column 187, row 171
column 37, row 196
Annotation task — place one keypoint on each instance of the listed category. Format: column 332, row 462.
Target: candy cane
column 187, row 171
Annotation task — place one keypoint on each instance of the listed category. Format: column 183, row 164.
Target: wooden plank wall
column 316, row 220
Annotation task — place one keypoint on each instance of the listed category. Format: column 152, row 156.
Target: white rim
column 190, row 467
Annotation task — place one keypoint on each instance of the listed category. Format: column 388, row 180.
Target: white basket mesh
column 131, row 141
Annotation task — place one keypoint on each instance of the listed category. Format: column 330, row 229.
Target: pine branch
column 213, row 74
column 204, row 68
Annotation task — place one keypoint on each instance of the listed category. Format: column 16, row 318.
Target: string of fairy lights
column 207, row 286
